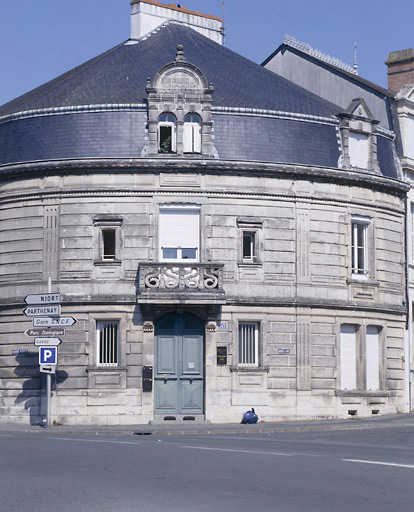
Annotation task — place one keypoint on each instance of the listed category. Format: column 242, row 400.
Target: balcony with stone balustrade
column 181, row 283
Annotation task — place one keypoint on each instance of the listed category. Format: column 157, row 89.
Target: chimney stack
column 147, row 15
column 400, row 69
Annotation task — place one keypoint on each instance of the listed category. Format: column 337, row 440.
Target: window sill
column 360, row 392
column 107, row 263
column 247, row 263
column 106, row 369
column 250, row 369
column 362, row 281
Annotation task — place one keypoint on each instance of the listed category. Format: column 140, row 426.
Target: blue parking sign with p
column 48, row 355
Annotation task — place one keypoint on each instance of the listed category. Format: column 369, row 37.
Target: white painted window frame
column 358, row 223
column 173, row 207
column 173, row 126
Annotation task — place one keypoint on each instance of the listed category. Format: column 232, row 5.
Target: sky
column 42, row 39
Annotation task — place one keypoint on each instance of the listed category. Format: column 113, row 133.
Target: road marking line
column 237, row 451
column 90, row 440
column 380, row 463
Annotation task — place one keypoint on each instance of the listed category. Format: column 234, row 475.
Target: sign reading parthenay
column 44, row 298
column 42, row 310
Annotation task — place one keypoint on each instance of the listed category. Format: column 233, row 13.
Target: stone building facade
column 226, row 239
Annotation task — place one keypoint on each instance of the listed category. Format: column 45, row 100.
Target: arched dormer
column 359, row 138
column 180, row 91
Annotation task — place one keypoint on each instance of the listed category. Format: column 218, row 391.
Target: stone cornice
column 148, row 165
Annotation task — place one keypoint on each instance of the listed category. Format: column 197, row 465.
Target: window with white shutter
column 358, row 150
column 409, row 137
column 372, row 359
column 192, row 133
column 348, row 360
column 179, row 233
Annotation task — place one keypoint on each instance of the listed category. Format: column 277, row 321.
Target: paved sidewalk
column 387, row 421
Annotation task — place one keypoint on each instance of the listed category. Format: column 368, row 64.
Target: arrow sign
column 47, row 369
column 33, row 333
column 48, row 342
column 45, row 298
column 41, row 310
column 58, row 321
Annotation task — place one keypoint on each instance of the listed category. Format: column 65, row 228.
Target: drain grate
column 189, row 418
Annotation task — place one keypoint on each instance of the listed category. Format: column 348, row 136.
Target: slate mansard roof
column 118, row 77
column 120, row 74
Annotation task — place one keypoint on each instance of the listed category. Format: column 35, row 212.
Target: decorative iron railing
column 173, row 278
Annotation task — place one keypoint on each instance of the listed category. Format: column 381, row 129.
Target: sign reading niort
column 44, row 298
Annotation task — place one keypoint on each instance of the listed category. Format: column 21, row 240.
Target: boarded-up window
column 179, row 232
column 348, row 358
column 107, row 343
column 372, row 358
column 358, row 149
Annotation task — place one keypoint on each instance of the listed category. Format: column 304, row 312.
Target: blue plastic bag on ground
column 249, row 417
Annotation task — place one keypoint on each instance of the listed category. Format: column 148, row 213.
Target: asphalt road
column 365, row 470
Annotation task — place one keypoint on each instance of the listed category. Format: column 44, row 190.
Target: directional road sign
column 44, row 332
column 48, row 355
column 41, row 310
column 44, row 368
column 58, row 321
column 47, row 342
column 45, row 298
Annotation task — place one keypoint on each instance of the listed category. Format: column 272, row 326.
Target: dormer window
column 359, row 137
column 192, row 134
column 167, row 133
column 179, row 112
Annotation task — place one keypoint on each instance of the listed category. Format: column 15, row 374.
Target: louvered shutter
column 372, row 358
column 348, row 356
column 358, row 150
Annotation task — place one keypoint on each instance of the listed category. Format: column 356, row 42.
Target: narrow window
column 412, row 234
column 107, row 343
column 108, row 244
column 192, row 133
column 372, row 358
column 166, row 133
column 249, row 248
column 179, row 232
column 348, row 351
column 358, row 150
column 360, row 247
column 248, row 344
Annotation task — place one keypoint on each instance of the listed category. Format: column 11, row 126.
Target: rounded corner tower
column 223, row 237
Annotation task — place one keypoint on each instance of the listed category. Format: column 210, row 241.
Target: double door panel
column 179, row 386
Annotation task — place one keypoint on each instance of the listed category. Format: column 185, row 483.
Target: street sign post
column 58, row 321
column 45, row 368
column 47, row 342
column 44, row 298
column 42, row 310
column 48, row 355
column 33, row 333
